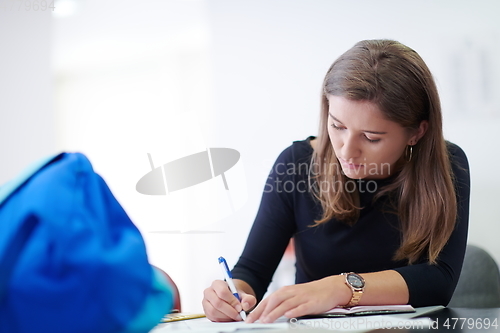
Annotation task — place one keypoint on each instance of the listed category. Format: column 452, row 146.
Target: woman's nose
column 350, row 148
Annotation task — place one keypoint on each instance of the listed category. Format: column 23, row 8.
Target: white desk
column 347, row 324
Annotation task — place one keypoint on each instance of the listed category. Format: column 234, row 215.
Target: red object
column 177, row 295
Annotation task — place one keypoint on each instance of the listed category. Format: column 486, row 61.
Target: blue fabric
column 157, row 298
column 73, row 260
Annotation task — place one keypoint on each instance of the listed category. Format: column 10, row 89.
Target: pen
column 229, row 280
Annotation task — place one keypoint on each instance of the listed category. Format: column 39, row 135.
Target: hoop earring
column 408, row 153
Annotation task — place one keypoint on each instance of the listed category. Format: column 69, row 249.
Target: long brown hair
column 396, row 79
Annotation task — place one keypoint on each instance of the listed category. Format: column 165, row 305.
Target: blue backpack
column 71, row 260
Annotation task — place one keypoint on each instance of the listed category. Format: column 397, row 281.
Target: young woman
column 377, row 204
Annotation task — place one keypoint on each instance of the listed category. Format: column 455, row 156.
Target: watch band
column 357, row 291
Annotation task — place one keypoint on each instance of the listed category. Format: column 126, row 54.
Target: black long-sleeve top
column 288, row 210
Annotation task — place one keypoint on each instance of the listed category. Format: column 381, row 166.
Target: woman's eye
column 337, row 127
column 372, row 140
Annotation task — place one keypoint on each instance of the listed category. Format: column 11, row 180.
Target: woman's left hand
column 302, row 299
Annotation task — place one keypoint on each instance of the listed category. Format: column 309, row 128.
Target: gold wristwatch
column 357, row 285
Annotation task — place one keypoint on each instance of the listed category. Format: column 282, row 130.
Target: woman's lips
column 350, row 165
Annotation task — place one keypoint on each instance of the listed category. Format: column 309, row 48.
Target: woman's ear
column 419, row 133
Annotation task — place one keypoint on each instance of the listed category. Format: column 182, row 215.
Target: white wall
column 27, row 130
column 133, row 78
column 174, row 77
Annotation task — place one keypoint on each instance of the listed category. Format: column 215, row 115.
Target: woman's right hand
column 219, row 303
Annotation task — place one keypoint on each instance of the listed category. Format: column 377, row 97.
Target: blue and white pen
column 229, row 280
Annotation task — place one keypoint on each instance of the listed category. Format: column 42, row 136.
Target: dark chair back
column 479, row 283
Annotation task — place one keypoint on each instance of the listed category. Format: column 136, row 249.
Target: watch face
column 355, row 280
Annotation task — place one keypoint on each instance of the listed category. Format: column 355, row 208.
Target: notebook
column 362, row 310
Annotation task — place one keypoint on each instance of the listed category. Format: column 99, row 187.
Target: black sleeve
column 272, row 229
column 435, row 284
